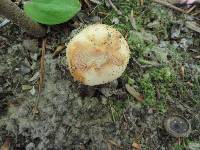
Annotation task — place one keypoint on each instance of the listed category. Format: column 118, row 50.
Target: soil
column 164, row 69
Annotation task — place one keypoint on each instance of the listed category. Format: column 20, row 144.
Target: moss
column 148, row 90
column 164, row 80
column 163, row 74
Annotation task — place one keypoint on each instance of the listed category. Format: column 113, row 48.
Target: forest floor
column 164, row 68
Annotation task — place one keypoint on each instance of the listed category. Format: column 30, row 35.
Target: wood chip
column 134, row 93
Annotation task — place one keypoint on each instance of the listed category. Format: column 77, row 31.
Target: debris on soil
column 193, row 26
column 134, row 93
column 177, row 126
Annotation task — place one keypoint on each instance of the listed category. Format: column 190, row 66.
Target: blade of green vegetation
column 52, row 11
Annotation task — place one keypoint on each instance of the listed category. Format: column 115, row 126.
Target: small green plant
column 149, row 91
column 117, row 109
column 163, row 78
column 52, row 11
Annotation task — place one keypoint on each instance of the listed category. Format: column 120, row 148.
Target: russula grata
column 97, row 55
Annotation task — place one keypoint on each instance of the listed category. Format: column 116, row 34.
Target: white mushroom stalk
column 97, row 55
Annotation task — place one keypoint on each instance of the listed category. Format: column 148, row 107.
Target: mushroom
column 97, row 55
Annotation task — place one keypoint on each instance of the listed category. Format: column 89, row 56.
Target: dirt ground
column 164, row 68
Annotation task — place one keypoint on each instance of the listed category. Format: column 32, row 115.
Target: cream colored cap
column 98, row 54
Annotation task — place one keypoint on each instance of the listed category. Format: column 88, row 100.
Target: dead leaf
column 132, row 20
column 193, row 26
column 134, row 93
column 136, row 146
column 6, row 145
column 58, row 50
column 115, row 144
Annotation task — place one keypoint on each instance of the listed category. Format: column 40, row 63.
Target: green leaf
column 52, row 12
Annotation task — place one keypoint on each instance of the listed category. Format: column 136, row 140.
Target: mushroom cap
column 97, row 55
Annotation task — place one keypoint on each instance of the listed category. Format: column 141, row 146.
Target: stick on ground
column 169, row 5
column 12, row 12
column 115, row 8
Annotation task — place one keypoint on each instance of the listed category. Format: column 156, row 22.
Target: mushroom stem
column 11, row 11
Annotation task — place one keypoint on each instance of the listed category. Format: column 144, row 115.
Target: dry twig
column 12, row 12
column 169, row 5
column 115, row 8
column 191, row 9
column 87, row 3
column 42, row 70
column 41, row 80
